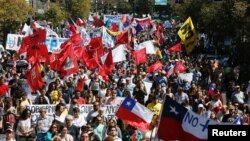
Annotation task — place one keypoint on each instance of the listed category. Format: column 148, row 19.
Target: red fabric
column 34, row 77
column 179, row 67
column 140, row 56
column 109, row 64
column 78, row 51
column 95, row 48
column 113, row 27
column 3, row 89
column 92, row 63
column 39, row 52
column 80, row 100
column 122, row 38
column 103, row 73
column 76, row 40
column 68, row 62
column 132, row 119
column 98, row 22
column 34, row 39
column 80, row 85
column 175, row 48
column 154, row 67
column 80, row 22
column 172, row 130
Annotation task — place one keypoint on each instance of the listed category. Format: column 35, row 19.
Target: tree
column 12, row 14
column 54, row 14
column 124, row 7
column 79, row 8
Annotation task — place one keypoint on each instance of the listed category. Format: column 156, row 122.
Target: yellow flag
column 112, row 33
column 188, row 35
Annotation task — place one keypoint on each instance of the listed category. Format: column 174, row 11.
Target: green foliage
column 55, row 14
column 124, row 7
column 79, row 8
column 220, row 19
column 12, row 14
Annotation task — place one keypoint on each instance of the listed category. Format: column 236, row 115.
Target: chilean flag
column 179, row 123
column 135, row 114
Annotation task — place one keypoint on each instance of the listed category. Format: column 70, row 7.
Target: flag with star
column 179, row 123
column 135, row 114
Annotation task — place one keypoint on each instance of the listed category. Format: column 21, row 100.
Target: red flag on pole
column 154, row 67
column 140, row 56
column 34, row 77
column 179, row 67
column 175, row 48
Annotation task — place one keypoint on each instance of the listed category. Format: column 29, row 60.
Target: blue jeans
column 41, row 136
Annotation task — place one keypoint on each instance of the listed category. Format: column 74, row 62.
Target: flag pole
column 163, row 104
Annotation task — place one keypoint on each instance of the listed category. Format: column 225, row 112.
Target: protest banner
column 14, row 41
column 109, row 110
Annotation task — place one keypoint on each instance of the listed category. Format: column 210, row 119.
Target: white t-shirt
column 80, row 121
column 25, row 125
column 68, row 137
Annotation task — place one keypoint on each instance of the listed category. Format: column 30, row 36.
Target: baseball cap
column 200, row 106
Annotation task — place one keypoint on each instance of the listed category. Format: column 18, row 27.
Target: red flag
column 34, row 77
column 85, row 54
column 76, row 40
column 122, row 38
column 39, row 52
column 174, row 123
column 114, row 27
column 97, row 22
column 31, row 40
column 80, row 22
column 154, row 67
column 68, row 62
column 103, row 73
column 92, row 63
column 78, row 51
column 80, row 84
column 95, row 48
column 109, row 64
column 140, row 56
column 175, row 48
column 179, row 67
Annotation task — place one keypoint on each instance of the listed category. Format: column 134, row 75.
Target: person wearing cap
column 43, row 124
column 201, row 110
column 9, row 135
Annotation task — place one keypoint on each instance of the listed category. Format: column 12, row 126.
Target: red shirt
column 80, row 100
column 3, row 89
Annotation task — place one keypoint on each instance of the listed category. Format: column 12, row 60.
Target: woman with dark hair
column 65, row 136
column 53, row 131
column 24, row 128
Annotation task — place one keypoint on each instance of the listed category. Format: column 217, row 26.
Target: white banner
column 109, row 110
column 14, row 41
column 186, row 76
column 107, row 39
column 53, row 44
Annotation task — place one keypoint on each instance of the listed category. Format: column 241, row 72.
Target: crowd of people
column 216, row 91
